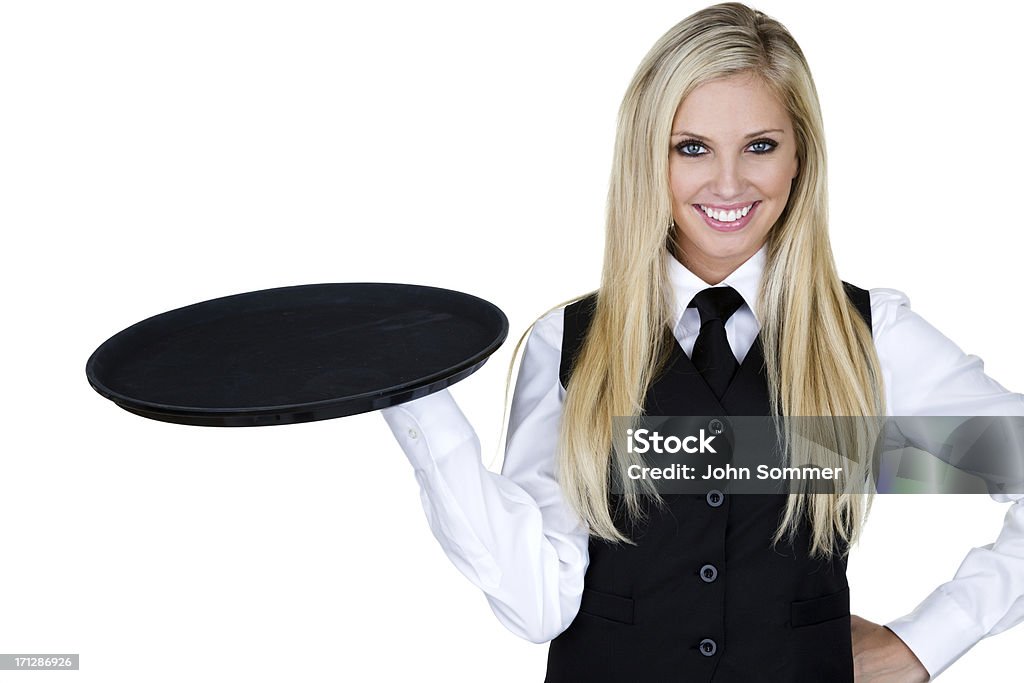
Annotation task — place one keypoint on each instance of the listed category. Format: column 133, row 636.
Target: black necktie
column 712, row 355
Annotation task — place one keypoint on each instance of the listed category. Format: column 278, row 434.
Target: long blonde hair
column 819, row 355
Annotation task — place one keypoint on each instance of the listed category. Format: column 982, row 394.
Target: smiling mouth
column 727, row 220
column 726, row 216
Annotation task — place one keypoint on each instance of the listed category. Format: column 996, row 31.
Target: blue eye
column 764, row 146
column 696, row 148
column 689, row 148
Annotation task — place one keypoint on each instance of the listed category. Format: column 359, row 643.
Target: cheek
column 683, row 186
column 776, row 181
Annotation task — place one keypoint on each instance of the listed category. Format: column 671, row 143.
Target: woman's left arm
column 925, row 374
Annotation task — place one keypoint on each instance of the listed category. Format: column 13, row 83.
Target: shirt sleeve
column 512, row 534
column 927, row 374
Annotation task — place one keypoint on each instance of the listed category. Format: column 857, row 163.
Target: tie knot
column 716, row 303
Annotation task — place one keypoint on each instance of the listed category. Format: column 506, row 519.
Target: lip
column 727, row 207
column 728, row 227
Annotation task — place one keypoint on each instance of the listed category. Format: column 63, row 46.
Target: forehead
column 728, row 106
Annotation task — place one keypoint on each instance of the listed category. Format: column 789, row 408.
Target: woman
column 719, row 296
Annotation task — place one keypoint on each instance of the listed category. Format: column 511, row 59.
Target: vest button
column 708, row 573
column 715, row 498
column 708, row 647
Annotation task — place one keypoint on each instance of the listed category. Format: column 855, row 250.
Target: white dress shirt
column 515, row 537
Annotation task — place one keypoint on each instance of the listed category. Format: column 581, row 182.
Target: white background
column 155, row 154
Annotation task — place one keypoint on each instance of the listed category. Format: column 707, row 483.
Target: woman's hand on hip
column 879, row 656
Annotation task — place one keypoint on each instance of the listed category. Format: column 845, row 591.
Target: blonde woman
column 719, row 296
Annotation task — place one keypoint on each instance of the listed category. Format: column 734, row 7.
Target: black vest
column 703, row 596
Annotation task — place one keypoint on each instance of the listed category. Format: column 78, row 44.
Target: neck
column 711, row 271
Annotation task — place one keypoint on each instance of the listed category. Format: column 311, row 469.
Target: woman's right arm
column 513, row 535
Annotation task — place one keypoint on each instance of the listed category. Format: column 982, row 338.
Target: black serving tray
column 296, row 354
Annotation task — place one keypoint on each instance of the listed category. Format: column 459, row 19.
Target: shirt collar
column 685, row 284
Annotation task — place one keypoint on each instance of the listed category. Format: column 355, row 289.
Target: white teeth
column 726, row 216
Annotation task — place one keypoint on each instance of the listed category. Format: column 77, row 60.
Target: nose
column 727, row 181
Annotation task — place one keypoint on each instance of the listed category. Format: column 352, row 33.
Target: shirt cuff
column 938, row 632
column 429, row 428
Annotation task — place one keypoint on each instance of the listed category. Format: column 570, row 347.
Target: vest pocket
column 818, row 610
column 607, row 606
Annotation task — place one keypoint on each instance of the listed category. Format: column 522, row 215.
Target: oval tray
column 296, row 354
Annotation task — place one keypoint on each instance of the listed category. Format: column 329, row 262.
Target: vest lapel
column 664, row 398
column 747, row 394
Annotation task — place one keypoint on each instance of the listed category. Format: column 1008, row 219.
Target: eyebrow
column 751, row 135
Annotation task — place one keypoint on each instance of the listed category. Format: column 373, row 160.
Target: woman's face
column 733, row 153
